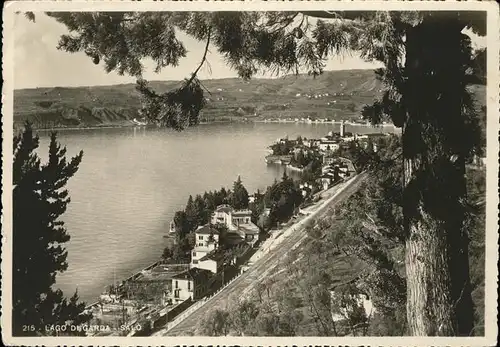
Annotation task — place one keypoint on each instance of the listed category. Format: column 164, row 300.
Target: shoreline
column 317, row 206
column 124, row 126
column 121, row 282
column 135, row 274
column 293, row 168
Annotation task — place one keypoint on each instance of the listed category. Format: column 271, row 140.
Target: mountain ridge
column 334, row 94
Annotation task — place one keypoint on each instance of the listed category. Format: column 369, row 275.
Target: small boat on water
column 139, row 123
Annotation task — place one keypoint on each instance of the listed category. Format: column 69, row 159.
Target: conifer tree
column 200, row 212
column 39, row 235
column 191, row 215
column 181, row 223
column 239, row 198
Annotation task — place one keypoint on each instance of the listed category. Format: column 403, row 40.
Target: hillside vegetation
column 233, row 97
column 229, row 99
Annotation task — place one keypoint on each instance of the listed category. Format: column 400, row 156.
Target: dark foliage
column 239, row 198
column 39, row 200
column 197, row 212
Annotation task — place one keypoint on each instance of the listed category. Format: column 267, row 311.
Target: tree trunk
column 437, row 267
column 428, row 281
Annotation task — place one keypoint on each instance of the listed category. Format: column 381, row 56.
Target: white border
column 492, row 200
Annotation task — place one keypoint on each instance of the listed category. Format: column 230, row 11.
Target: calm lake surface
column 132, row 180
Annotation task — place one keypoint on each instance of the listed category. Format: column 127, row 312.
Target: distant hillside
column 335, row 94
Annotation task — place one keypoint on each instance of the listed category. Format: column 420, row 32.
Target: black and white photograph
column 259, row 173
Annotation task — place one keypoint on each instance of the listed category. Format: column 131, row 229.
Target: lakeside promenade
column 266, row 259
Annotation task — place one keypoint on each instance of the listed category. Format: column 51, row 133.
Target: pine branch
column 193, row 76
column 321, row 14
column 286, row 23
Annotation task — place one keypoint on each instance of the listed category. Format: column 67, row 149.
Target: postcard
column 250, row 173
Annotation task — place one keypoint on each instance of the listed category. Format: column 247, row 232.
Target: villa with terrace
column 237, row 222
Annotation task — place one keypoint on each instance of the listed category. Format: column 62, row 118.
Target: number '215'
column 28, row 328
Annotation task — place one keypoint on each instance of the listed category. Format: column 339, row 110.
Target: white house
column 172, row 227
column 206, row 240
column 326, row 180
column 328, row 145
column 222, row 215
column 241, row 217
column 213, row 261
column 341, row 168
column 329, row 160
column 306, row 188
column 237, row 221
column 349, row 138
column 251, row 199
column 311, row 143
column 191, row 284
column 333, row 172
column 249, row 232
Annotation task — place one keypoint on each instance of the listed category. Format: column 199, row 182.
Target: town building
column 375, row 138
column 249, row 232
column 329, row 160
column 223, row 215
column 326, row 180
column 343, row 171
column 237, row 221
column 311, row 143
column 172, row 227
column 284, row 140
column 306, row 189
column 241, row 217
column 206, row 241
column 213, row 261
column 479, row 161
column 328, row 145
column 340, row 169
column 348, row 136
column 191, row 284
column 332, row 173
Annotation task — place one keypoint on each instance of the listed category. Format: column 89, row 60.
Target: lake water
column 132, row 180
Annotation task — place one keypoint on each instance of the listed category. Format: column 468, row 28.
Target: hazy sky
column 38, row 63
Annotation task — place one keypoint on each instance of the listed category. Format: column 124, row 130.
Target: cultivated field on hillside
column 334, row 95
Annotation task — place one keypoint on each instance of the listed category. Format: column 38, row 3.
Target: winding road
column 292, row 237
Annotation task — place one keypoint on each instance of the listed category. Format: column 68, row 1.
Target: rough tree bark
column 438, row 284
